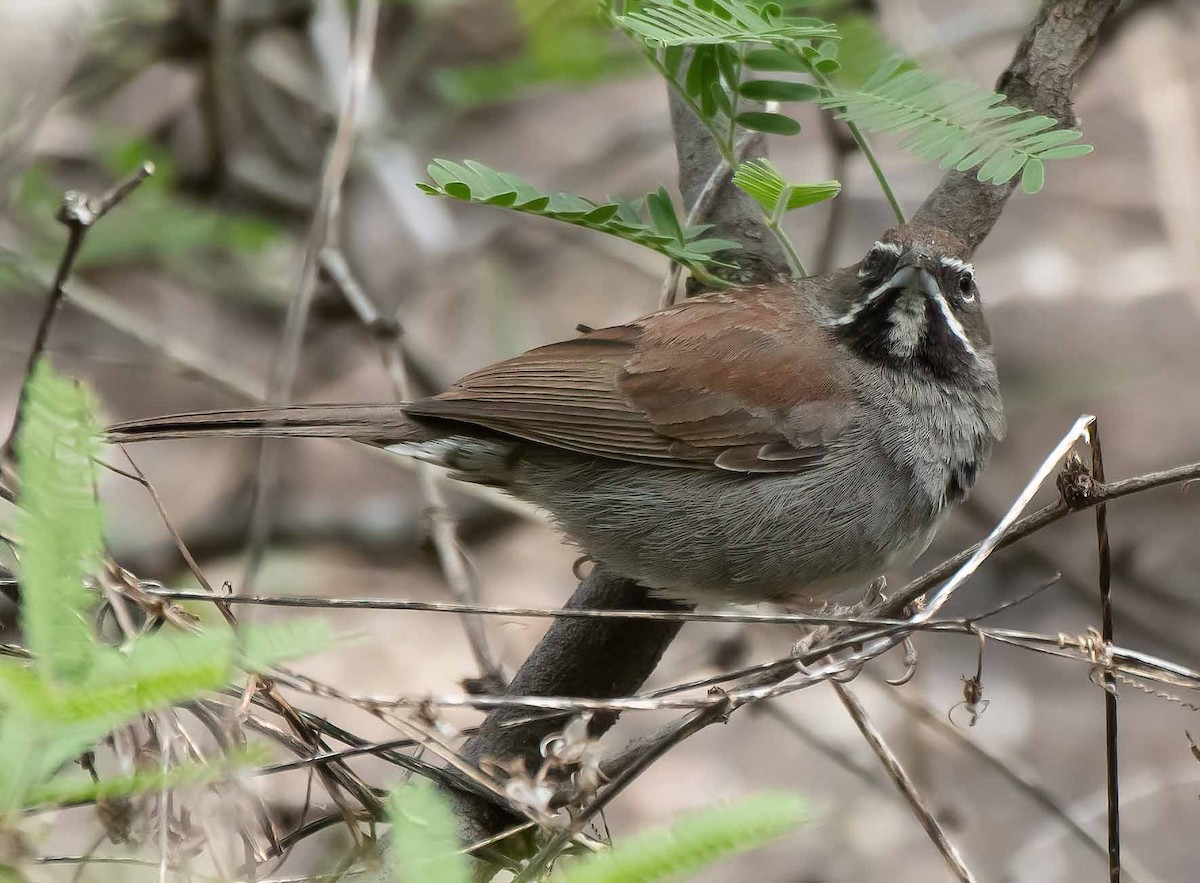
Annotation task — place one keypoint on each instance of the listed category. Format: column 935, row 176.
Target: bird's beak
column 913, row 273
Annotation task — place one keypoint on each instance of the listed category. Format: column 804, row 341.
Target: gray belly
column 735, row 538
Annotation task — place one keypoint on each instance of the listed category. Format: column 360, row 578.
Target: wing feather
column 746, row 382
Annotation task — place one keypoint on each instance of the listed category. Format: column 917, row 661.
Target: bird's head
column 912, row 301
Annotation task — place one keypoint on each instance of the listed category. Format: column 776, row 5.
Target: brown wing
column 741, row 381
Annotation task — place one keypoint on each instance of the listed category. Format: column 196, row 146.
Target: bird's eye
column 966, row 286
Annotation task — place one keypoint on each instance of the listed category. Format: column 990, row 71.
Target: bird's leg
column 871, row 601
column 873, row 598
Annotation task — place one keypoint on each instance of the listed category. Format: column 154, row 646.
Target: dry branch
column 325, row 216
column 79, row 213
column 891, row 765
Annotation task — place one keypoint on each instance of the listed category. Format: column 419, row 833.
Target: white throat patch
column 908, row 320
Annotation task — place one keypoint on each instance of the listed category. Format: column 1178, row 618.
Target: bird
column 783, row 442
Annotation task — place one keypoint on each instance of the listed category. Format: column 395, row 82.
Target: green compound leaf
column 60, row 523
column 697, row 22
column 957, row 124
column 657, row 228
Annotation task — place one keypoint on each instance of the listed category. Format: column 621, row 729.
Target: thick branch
column 733, row 214
column 577, row 657
column 1040, row 77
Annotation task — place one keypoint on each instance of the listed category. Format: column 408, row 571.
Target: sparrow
column 781, row 442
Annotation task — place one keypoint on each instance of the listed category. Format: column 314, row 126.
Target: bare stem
column 891, row 765
column 79, row 213
column 1112, row 778
column 460, row 576
column 287, row 357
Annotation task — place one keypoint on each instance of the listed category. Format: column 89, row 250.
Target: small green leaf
column 1034, row 177
column 721, row 99
column 1070, row 151
column 425, row 847
column 695, row 83
column 810, row 194
column 772, row 123
column 772, row 60
column 693, row 843
column 662, row 214
column 729, row 64
column 602, row 214
column 779, row 90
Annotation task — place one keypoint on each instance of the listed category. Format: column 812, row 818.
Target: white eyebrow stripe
column 877, row 293
column 953, row 324
column 960, row 266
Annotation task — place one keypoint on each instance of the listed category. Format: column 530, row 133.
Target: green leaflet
column 761, row 180
column 660, row 229
column 694, row 843
column 956, row 124
column 693, row 23
column 425, row 843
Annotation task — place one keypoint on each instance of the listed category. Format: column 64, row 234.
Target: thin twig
column 1104, row 553
column 287, row 358
column 892, row 767
column 1025, row 780
column 79, row 213
column 443, row 529
column 340, row 603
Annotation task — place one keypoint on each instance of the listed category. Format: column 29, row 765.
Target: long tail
column 378, row 424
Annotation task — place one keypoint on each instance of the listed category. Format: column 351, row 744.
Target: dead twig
column 891, row 765
column 287, row 359
column 79, row 213
column 1104, row 552
column 457, row 570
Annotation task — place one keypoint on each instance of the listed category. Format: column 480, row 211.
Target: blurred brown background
column 1093, row 290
